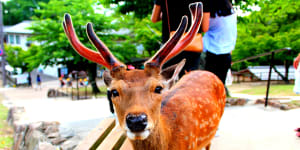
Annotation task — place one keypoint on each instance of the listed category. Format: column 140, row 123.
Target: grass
column 6, row 132
column 275, row 90
column 296, row 103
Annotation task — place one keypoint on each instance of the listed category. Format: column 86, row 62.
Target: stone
column 58, row 140
column 19, row 136
column 66, row 132
column 241, row 102
column 55, row 93
column 14, row 114
column 33, row 140
column 53, row 135
column 52, row 93
column 284, row 107
column 71, row 143
column 51, row 127
column 36, row 126
column 236, row 101
column 46, row 146
column 260, row 101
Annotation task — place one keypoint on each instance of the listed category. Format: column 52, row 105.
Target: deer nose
column 136, row 123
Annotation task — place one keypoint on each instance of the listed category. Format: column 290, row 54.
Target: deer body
column 155, row 112
column 189, row 115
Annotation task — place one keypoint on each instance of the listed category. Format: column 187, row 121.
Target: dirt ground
column 249, row 127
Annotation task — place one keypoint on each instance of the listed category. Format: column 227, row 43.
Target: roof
column 20, row 28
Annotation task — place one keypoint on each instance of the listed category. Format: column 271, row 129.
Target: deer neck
column 157, row 140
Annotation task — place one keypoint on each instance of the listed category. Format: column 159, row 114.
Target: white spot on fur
column 186, row 138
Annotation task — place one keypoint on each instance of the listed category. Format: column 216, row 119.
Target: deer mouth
column 138, row 135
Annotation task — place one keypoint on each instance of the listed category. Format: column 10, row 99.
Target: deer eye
column 158, row 89
column 114, row 93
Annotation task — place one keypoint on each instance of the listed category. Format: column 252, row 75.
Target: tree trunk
column 285, row 79
column 92, row 73
column 287, row 66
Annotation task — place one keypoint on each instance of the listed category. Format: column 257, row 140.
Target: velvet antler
column 105, row 58
column 174, row 45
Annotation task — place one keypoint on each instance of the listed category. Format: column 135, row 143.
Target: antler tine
column 196, row 10
column 160, row 55
column 105, row 53
column 78, row 46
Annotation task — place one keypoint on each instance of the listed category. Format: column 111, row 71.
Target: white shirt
column 221, row 35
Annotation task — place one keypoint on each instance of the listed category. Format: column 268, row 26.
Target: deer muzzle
column 137, row 126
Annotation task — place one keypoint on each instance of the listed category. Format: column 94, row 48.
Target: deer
column 154, row 110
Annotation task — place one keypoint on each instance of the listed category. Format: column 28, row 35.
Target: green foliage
column 55, row 47
column 148, row 34
column 15, row 55
column 275, row 26
column 141, row 8
column 244, row 4
column 26, row 60
column 16, row 11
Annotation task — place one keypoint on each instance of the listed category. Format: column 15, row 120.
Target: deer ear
column 171, row 73
column 107, row 78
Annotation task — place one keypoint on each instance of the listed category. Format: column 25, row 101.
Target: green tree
column 147, row 34
column 56, row 49
column 15, row 56
column 16, row 11
column 142, row 8
column 275, row 26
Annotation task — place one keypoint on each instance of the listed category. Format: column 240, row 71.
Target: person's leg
column 202, row 61
column 218, row 64
column 211, row 62
column 223, row 66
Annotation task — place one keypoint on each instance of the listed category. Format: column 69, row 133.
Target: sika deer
column 155, row 115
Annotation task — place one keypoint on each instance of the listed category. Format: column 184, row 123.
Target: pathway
column 250, row 127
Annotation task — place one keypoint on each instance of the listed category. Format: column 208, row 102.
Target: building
column 261, row 73
column 18, row 35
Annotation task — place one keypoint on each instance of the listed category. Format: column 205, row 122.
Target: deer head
column 137, row 94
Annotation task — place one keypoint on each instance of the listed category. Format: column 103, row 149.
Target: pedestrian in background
column 38, row 82
column 220, row 39
column 171, row 13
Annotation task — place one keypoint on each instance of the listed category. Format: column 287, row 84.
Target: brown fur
column 185, row 117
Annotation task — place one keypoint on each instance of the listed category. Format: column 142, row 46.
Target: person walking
column 220, row 39
column 29, row 80
column 39, row 82
column 171, row 12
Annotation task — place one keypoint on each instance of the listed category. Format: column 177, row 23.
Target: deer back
column 193, row 109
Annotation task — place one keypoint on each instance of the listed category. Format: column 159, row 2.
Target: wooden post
column 269, row 79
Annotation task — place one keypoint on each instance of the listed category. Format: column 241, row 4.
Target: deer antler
column 157, row 59
column 105, row 53
column 106, row 59
column 197, row 15
column 172, row 48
